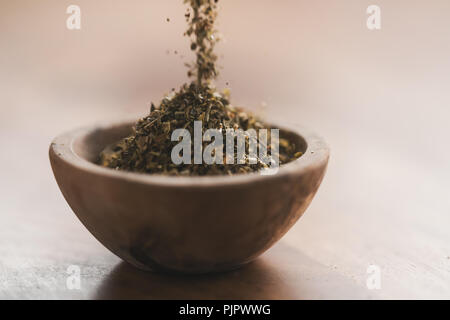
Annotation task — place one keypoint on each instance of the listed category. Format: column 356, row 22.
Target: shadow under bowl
column 187, row 225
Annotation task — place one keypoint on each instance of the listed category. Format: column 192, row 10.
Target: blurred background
column 380, row 98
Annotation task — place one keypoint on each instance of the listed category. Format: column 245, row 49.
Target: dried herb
column 149, row 148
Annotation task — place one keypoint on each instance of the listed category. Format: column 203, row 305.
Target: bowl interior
column 89, row 146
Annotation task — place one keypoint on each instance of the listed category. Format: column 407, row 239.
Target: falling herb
column 203, row 39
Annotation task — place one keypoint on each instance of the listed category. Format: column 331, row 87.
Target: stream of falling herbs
column 148, row 149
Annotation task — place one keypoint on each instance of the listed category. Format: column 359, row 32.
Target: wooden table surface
column 380, row 98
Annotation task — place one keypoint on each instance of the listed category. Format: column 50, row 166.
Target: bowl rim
column 62, row 148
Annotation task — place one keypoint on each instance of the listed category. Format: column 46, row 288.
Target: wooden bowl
column 184, row 224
